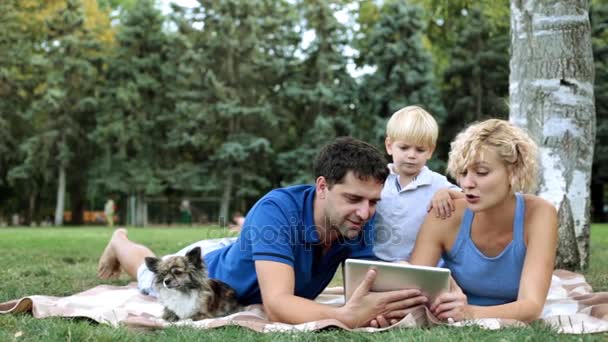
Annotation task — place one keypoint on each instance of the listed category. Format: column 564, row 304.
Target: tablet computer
column 432, row 281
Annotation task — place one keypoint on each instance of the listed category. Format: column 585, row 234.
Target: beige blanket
column 571, row 308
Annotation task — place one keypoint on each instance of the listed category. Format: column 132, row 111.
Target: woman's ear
column 512, row 177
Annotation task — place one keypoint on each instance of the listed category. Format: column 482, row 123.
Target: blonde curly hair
column 512, row 144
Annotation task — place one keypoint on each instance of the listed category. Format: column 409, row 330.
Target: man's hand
column 378, row 309
column 442, row 204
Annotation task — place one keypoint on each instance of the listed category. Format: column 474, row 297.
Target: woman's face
column 485, row 182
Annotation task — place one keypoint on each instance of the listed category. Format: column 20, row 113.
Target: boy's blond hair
column 413, row 124
column 514, row 147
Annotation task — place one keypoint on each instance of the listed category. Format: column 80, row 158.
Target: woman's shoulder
column 540, row 214
column 538, row 206
column 453, row 221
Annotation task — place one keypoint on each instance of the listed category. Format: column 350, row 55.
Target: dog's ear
column 194, row 257
column 152, row 264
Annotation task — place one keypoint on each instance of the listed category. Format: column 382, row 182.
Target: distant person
column 411, row 188
column 186, row 212
column 238, row 220
column 109, row 211
column 500, row 242
column 292, row 242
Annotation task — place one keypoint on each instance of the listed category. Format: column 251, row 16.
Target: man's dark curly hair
column 349, row 154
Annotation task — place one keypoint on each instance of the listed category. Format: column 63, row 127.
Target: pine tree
column 392, row 42
column 63, row 110
column 228, row 77
column 475, row 81
column 136, row 115
column 321, row 96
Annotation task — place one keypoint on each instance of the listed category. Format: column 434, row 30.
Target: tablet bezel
column 432, row 281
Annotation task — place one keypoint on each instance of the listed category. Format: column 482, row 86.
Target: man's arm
column 277, row 283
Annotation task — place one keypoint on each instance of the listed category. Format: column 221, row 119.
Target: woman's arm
column 436, row 235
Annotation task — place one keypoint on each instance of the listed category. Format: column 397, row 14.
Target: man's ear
column 152, row 264
column 321, row 186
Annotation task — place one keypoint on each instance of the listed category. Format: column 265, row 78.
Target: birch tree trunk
column 60, row 206
column 551, row 94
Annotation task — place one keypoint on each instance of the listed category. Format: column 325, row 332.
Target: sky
column 308, row 37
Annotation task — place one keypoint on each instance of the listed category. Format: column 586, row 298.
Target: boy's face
column 408, row 158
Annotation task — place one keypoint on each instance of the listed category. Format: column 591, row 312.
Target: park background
column 190, row 114
column 220, row 101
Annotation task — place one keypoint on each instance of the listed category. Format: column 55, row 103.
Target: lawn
column 63, row 261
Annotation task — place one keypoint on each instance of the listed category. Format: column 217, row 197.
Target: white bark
column 551, row 94
column 60, row 206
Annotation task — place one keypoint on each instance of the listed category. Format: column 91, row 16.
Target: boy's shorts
column 145, row 277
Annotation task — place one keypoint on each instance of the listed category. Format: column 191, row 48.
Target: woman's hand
column 451, row 304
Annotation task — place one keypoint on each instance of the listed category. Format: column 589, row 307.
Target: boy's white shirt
column 400, row 213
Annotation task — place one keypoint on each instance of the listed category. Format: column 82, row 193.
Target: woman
column 499, row 244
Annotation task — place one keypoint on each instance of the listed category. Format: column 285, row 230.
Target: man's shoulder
column 290, row 196
column 282, row 204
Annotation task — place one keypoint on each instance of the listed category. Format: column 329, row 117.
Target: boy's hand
column 442, row 204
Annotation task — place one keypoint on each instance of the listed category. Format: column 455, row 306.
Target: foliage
column 475, row 82
column 132, row 125
column 226, row 100
column 321, row 96
column 599, row 35
column 393, row 44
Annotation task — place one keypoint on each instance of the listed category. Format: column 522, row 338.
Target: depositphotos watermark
column 296, row 232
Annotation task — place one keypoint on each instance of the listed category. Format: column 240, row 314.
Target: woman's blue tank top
column 488, row 280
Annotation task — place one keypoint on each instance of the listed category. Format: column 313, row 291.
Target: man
column 292, row 242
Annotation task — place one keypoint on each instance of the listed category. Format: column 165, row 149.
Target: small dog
column 186, row 291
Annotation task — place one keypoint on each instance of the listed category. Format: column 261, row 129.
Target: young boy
column 412, row 189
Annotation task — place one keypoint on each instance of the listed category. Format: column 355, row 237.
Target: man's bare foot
column 109, row 267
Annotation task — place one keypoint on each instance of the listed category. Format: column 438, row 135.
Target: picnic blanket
column 571, row 308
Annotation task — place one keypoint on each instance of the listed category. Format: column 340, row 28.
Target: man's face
column 350, row 204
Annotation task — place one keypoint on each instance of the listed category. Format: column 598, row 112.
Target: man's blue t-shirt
column 280, row 227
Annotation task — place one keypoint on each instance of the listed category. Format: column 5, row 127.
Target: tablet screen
column 432, row 281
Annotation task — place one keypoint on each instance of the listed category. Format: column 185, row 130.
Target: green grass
column 61, row 262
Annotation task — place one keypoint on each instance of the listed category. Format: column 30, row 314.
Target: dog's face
column 181, row 273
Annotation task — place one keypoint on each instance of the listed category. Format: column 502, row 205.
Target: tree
column 15, row 48
column 551, row 94
column 67, row 59
column 392, row 43
column 476, row 78
column 132, row 127
column 599, row 25
column 320, row 96
column 233, row 65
